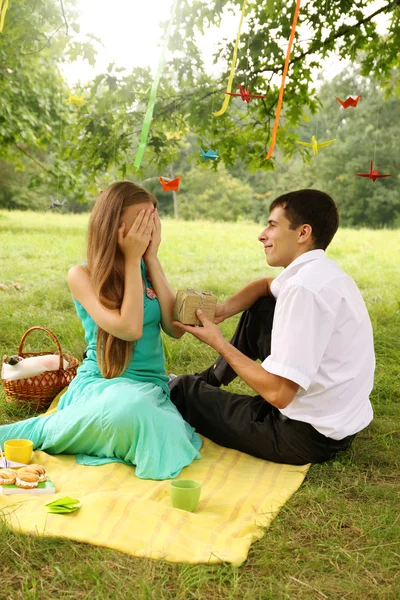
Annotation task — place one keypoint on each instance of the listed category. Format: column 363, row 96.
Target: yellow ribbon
column 230, row 81
column 3, row 10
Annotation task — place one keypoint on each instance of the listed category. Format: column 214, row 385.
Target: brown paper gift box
column 188, row 301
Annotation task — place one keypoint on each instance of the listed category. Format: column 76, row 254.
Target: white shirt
column 322, row 340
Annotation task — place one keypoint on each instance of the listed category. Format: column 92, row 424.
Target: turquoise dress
column 128, row 419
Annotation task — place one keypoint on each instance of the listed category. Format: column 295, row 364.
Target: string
column 248, row 56
column 235, row 50
column 377, row 120
column 115, row 153
column 175, row 117
column 282, row 88
column 153, row 92
column 60, row 141
column 376, row 135
column 213, row 122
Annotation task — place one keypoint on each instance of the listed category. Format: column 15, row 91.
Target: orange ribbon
column 285, row 70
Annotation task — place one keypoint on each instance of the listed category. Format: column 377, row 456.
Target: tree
column 213, row 195
column 369, row 132
column 78, row 151
column 243, row 132
column 33, row 112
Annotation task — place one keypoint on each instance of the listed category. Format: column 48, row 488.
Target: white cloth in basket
column 31, row 366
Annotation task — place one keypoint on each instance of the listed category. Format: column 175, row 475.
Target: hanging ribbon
column 3, row 10
column 153, row 92
column 230, row 81
column 285, row 70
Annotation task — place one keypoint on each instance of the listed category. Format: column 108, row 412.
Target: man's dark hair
column 314, row 208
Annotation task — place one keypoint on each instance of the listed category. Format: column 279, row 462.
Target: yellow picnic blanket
column 240, row 496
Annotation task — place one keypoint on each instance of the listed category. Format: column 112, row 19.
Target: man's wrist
column 224, row 307
column 221, row 346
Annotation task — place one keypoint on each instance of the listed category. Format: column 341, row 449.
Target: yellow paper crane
column 74, row 99
column 314, row 144
column 3, row 10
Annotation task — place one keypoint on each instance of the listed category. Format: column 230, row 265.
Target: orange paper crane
column 245, row 94
column 350, row 101
column 170, row 186
column 373, row 173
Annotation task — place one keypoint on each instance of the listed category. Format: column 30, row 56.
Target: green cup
column 185, row 494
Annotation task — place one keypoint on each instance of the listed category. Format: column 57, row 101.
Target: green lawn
column 338, row 537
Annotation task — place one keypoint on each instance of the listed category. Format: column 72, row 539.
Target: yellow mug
column 18, row 450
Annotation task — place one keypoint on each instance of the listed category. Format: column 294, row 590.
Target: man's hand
column 209, row 334
column 276, row 390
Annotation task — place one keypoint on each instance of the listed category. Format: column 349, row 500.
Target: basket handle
column 50, row 333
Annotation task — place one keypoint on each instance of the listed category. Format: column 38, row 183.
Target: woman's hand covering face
column 134, row 242
column 152, row 248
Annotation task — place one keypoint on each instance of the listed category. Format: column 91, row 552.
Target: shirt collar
column 294, row 267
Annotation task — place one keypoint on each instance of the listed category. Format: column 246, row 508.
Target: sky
column 130, row 33
column 131, row 36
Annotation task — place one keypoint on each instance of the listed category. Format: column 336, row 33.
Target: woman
column 118, row 409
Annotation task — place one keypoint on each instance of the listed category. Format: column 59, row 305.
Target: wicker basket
column 40, row 390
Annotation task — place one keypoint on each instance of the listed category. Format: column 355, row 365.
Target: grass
column 338, row 537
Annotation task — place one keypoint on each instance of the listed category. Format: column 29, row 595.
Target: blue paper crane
column 209, row 155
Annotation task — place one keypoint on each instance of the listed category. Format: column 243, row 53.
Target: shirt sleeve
column 302, row 328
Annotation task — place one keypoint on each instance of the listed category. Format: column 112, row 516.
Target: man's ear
column 305, row 234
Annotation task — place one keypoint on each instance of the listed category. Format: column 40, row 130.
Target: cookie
column 7, row 476
column 26, row 479
column 39, row 470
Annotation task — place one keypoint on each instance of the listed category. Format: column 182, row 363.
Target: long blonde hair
column 105, row 264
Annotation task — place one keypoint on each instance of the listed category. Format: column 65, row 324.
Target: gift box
column 188, row 301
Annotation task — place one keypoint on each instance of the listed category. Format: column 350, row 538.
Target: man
column 311, row 331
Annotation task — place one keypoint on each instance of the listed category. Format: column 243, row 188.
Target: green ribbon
column 153, row 93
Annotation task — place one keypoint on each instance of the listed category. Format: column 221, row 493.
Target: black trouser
column 249, row 423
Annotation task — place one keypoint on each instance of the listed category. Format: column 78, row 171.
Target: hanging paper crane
column 209, row 155
column 314, row 144
column 3, row 10
column 350, row 101
column 56, row 203
column 373, row 173
column 170, row 186
column 74, row 99
column 245, row 94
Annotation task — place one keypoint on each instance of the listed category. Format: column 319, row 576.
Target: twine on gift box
column 192, row 290
column 201, row 294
